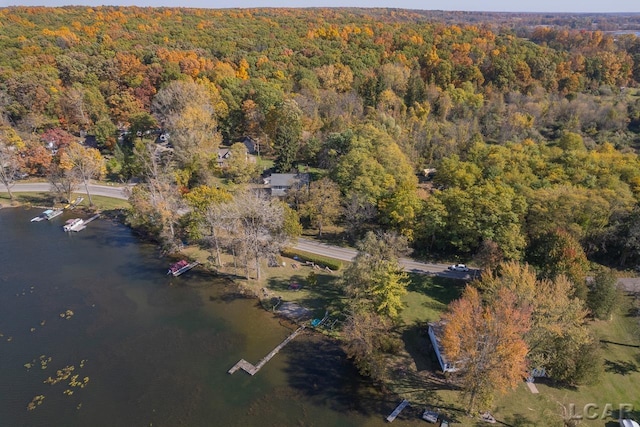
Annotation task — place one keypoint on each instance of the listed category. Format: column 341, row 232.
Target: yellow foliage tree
column 86, row 163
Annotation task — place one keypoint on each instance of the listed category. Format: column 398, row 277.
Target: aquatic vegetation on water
column 67, row 314
column 44, row 362
column 35, row 402
column 61, row 375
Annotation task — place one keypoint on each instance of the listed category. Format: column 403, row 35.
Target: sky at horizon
column 565, row 6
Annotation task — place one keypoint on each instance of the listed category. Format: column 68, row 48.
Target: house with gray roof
column 280, row 183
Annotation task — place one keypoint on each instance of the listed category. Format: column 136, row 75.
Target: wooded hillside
column 532, row 129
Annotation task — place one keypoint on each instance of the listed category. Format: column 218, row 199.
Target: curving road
column 409, row 265
column 323, row 249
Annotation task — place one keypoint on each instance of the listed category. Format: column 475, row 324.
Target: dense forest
column 532, row 128
column 508, row 140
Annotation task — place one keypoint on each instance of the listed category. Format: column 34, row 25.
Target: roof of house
column 288, row 179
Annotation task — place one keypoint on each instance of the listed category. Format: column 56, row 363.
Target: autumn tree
column 240, row 168
column 322, row 206
column 10, row 164
column 36, row 158
column 207, row 218
column 259, row 226
column 485, row 341
column 156, row 202
column 558, row 332
column 184, row 109
column 558, row 252
column 86, row 163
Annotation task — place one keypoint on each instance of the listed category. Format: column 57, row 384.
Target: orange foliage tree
column 485, row 340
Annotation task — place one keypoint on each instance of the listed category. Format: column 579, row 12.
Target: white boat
column 48, row 214
column 51, row 213
column 75, row 224
column 40, row 217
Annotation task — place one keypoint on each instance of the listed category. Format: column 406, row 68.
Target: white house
column 435, row 333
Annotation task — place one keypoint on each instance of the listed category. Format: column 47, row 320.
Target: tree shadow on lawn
column 443, row 290
column 516, row 420
column 324, row 295
column 418, row 345
column 620, row 367
column 35, row 199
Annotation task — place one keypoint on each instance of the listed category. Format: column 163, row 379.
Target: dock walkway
column 251, row 369
column 397, row 411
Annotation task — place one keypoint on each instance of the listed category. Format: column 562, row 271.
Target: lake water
column 155, row 349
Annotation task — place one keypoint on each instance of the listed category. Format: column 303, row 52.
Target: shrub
column 316, row 259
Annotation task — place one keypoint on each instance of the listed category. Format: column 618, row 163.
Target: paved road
column 94, row 189
column 410, row 265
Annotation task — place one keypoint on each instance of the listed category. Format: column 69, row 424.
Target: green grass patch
column 27, row 198
column 47, row 199
column 294, row 285
column 428, row 296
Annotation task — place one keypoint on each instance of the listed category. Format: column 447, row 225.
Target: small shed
column 435, row 334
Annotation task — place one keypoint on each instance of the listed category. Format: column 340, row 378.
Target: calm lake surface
column 156, row 349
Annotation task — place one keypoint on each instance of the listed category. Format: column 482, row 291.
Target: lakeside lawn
column 413, row 372
column 618, row 384
column 47, row 200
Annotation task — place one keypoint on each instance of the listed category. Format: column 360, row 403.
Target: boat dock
column 96, row 216
column 251, row 369
column 398, row 409
column 83, row 224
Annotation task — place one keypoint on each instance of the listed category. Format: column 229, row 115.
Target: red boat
column 181, row 266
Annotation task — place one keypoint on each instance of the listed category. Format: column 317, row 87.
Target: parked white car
column 459, row 267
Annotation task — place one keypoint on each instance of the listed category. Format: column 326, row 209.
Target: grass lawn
column 47, row 200
column 428, row 297
column 619, row 384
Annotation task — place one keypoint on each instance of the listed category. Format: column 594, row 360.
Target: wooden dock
column 251, row 369
column 92, row 218
column 398, row 409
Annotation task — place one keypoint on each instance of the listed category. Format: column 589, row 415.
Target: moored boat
column 51, row 213
column 41, row 217
column 180, row 267
column 75, row 224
